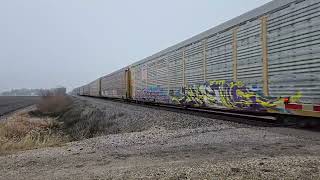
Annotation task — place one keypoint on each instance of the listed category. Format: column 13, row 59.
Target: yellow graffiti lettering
column 296, row 98
column 238, row 84
column 265, row 104
column 245, row 95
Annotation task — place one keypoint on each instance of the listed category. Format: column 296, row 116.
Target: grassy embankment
column 54, row 121
column 35, row 128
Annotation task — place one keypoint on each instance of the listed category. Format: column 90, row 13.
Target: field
column 128, row 141
column 11, row 103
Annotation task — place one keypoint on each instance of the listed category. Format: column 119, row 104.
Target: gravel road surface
column 159, row 144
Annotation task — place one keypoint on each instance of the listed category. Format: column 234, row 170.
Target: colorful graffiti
column 219, row 94
column 232, row 95
column 153, row 94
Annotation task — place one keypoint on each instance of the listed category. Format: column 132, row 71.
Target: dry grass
column 54, row 121
column 23, row 131
column 83, row 122
column 53, row 105
column 35, row 128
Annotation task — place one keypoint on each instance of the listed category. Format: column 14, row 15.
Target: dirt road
column 175, row 147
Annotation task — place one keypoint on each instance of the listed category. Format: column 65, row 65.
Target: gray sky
column 47, row 43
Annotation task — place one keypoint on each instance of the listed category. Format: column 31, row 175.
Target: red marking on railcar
column 316, row 108
column 294, row 106
column 286, row 100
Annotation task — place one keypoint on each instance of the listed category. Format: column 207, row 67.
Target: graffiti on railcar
column 233, row 95
column 153, row 94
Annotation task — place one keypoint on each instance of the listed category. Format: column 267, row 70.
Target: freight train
column 264, row 61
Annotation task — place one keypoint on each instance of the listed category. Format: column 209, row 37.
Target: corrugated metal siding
column 86, row 90
column 81, row 91
column 114, row 85
column 175, row 71
column 150, row 80
column 249, row 54
column 194, row 69
column 294, row 53
column 95, row 88
column 139, row 76
column 152, row 73
column 254, row 14
column 162, row 78
column 293, row 40
column 135, row 80
column 219, row 57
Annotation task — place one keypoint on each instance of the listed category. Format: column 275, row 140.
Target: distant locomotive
column 267, row 60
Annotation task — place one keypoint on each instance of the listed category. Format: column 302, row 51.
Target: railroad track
column 170, row 73
column 226, row 115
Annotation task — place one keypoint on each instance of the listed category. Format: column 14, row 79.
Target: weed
column 82, row 122
column 53, row 105
column 23, row 132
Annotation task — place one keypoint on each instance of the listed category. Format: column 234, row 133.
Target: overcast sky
column 49, row 43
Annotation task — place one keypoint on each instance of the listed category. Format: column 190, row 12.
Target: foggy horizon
column 69, row 44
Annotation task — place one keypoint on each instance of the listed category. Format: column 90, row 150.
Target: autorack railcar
column 115, row 84
column 86, row 90
column 94, row 88
column 266, row 60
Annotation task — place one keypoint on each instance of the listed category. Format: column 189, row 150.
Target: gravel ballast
column 151, row 143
